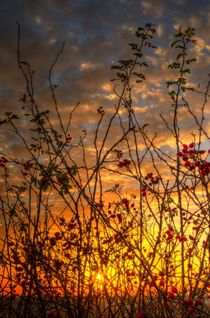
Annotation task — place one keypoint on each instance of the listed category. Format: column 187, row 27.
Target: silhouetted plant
column 102, row 252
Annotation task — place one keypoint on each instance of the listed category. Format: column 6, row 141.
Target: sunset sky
column 97, row 35
column 161, row 184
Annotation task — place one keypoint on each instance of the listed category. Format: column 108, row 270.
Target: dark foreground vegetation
column 74, row 246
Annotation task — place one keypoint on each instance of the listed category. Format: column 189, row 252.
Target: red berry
column 140, row 314
column 190, row 309
column 192, row 167
column 174, row 289
column 202, row 152
column 199, row 301
column 185, row 158
column 182, row 239
column 187, row 163
column 188, row 301
column 171, row 295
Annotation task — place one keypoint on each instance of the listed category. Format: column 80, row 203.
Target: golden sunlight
column 99, row 277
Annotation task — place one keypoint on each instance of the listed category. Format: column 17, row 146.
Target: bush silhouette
column 75, row 247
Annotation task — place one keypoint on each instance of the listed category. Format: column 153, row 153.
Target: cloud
column 97, row 34
column 152, row 7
